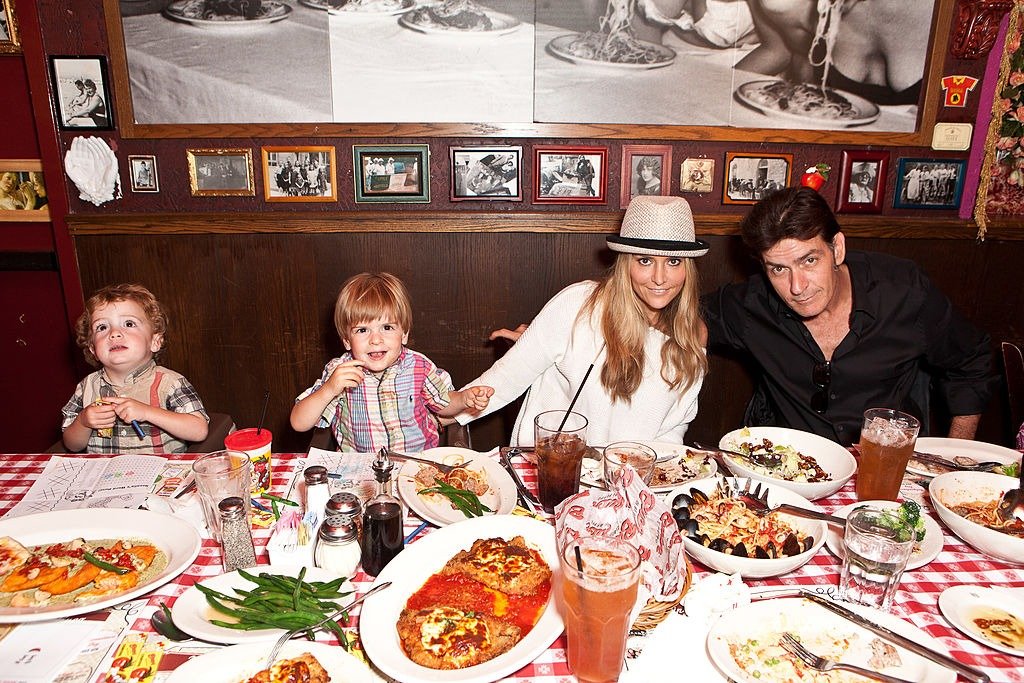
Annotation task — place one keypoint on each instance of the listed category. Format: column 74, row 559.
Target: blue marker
column 138, row 429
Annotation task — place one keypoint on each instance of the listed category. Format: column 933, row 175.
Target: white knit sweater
column 550, row 360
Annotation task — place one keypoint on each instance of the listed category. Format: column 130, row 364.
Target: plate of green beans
column 261, row 603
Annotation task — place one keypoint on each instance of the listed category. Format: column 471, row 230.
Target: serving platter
column 764, row 621
column 240, row 662
column 924, row 552
column 189, row 11
column 416, row 563
column 560, row 47
column 865, row 111
column 192, row 614
column 950, row 448
column 961, row 605
column 501, row 497
column 177, row 538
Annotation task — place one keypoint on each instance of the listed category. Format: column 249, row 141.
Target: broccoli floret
column 903, row 519
column 1011, row 470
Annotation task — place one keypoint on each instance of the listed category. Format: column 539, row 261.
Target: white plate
column 177, row 538
column 414, row 565
column 962, row 604
column 368, row 10
column 240, row 662
column 272, row 11
column 810, row 621
column 865, row 110
column 670, row 455
column 926, row 551
column 501, row 497
column 192, row 614
column 501, row 24
column 950, row 448
column 560, row 48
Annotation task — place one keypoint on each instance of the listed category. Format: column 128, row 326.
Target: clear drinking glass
column 887, row 440
column 621, row 453
column 560, row 442
column 220, row 475
column 875, row 558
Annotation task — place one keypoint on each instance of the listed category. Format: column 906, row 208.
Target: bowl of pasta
column 811, row 466
column 966, row 503
column 722, row 533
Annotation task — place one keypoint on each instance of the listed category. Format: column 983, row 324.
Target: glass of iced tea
column 887, row 441
column 560, row 442
column 599, row 588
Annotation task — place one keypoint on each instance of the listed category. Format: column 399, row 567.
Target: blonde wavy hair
column 624, row 323
column 111, row 294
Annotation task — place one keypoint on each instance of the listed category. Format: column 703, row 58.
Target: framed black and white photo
column 9, row 41
column 486, row 173
column 645, row 170
column 142, row 173
column 749, row 178
column 299, row 174
column 391, row 173
column 697, row 175
column 862, row 181
column 81, row 93
column 929, row 183
column 220, row 172
column 570, row 175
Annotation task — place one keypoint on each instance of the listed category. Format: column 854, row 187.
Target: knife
column 967, row 672
column 530, row 500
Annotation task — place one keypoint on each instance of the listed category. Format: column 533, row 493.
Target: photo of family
column 220, row 172
column 83, row 98
column 299, row 174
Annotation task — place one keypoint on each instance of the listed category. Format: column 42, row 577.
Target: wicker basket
column 655, row 612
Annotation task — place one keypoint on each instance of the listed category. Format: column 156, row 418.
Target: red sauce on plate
column 458, row 590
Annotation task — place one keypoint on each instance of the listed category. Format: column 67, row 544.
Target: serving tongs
column 958, row 462
column 529, row 501
column 1012, row 503
column 769, row 460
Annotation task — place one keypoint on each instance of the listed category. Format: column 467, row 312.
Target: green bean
column 466, row 502
column 104, row 565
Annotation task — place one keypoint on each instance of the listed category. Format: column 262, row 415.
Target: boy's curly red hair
column 108, row 295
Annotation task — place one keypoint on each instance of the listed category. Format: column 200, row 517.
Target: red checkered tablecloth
column 916, row 600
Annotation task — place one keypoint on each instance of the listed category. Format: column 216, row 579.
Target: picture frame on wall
column 645, row 170
column 749, row 177
column 391, row 173
column 142, row 175
column 929, row 183
column 81, row 93
column 23, row 196
column 486, row 173
column 697, row 175
column 220, row 172
column 862, row 181
column 570, row 175
column 299, row 174
column 9, row 41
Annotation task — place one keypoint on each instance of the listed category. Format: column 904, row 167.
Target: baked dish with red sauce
column 478, row 606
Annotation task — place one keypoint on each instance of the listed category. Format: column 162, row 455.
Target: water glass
column 621, row 453
column 220, row 475
column 875, row 559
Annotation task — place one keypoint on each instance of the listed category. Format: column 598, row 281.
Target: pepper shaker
column 348, row 505
column 236, row 537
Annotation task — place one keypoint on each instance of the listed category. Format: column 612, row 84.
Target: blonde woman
column 639, row 326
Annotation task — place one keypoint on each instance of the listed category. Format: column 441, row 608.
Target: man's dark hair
column 798, row 213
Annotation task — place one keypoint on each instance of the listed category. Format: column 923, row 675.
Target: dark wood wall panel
column 253, row 312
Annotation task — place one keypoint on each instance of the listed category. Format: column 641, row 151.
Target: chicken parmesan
column 302, row 669
column 478, row 606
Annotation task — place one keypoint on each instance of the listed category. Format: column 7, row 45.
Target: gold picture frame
column 299, row 174
column 23, row 170
column 220, row 172
column 9, row 40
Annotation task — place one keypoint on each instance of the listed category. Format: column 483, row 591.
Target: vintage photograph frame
column 635, row 159
column 570, row 175
column 9, row 40
column 486, row 173
column 927, row 179
column 142, row 174
column 749, row 176
column 933, row 51
column 81, row 93
column 299, row 174
column 220, row 172
column 862, row 181
column 697, row 174
column 391, row 173
column 23, row 170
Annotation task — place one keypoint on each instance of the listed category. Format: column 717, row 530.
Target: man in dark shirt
column 832, row 332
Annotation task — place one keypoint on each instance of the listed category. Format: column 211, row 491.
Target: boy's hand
column 128, row 409
column 347, row 375
column 98, row 415
column 477, row 398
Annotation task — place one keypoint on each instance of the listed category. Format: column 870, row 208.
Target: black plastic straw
column 263, row 413
column 572, row 403
column 579, row 561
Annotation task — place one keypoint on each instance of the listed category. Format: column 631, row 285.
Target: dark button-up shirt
column 900, row 326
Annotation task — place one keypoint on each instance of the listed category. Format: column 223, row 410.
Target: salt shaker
column 236, row 536
column 337, row 546
column 317, row 491
column 348, row 505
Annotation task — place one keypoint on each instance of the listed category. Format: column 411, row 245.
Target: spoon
column 768, row 460
column 164, row 625
column 1012, row 503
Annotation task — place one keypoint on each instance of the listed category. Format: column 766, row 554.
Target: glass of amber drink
column 887, row 441
column 560, row 442
column 599, row 589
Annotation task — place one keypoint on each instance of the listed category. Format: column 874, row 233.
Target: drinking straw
column 263, row 414
column 572, row 403
column 579, row 560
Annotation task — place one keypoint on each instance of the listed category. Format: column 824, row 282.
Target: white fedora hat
column 658, row 226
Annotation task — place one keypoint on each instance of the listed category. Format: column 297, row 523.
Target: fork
column 440, row 466
column 288, row 635
column 793, row 646
column 757, row 502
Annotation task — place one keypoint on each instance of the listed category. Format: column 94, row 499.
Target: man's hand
column 511, row 335
column 347, row 375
